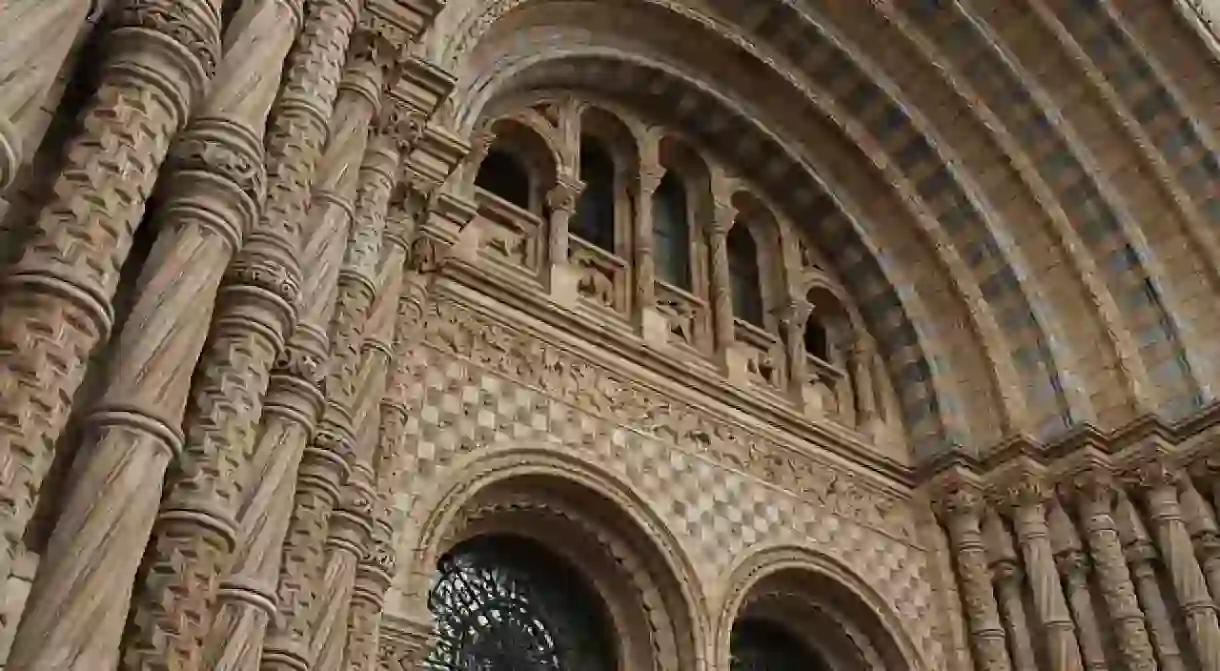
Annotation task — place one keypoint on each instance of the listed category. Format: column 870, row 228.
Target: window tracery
column 504, row 603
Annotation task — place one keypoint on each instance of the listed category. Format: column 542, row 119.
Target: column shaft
column 962, row 507
column 1140, row 555
column 562, row 201
column 722, row 297
column 1008, row 576
column 645, row 256
column 1074, row 566
column 1029, row 522
column 55, row 301
column 341, row 308
column 1175, row 546
column 35, row 39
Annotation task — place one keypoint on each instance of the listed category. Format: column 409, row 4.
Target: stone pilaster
column 1159, row 482
column 1023, row 492
column 1092, row 490
column 1074, row 567
column 1141, row 557
column 722, row 297
column 55, row 301
column 35, row 39
column 960, row 503
column 1007, row 573
column 342, row 309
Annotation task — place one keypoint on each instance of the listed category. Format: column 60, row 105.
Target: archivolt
column 828, row 586
column 606, row 509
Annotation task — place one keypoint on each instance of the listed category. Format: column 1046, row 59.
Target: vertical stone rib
column 233, row 387
column 1006, row 570
column 56, row 308
column 35, row 38
column 1093, row 490
column 343, row 308
column 1140, row 554
column 961, row 504
column 1027, row 497
column 1160, row 484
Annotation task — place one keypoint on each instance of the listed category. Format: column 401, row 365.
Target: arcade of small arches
column 657, row 236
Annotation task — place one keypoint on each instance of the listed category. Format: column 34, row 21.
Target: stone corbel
column 404, row 20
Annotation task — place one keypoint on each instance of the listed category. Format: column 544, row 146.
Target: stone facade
column 888, row 323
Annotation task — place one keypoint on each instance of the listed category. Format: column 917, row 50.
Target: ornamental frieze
column 523, row 357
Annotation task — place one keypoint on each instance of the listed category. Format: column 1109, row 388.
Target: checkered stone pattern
column 719, row 515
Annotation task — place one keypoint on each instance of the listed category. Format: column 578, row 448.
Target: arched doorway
column 761, row 645
column 506, row 603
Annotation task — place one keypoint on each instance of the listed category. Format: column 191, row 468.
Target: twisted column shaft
column 35, row 39
column 327, row 303
column 962, row 505
column 1093, row 491
column 1161, row 494
column 1140, row 555
column 55, row 301
column 1006, row 570
column 1033, row 536
column 722, row 289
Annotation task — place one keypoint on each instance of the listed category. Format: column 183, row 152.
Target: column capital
column 1153, row 470
column 562, row 197
column 1092, row 482
column 958, row 494
column 649, row 179
column 1019, row 485
column 724, row 215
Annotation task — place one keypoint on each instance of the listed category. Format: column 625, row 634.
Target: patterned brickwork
column 720, row 515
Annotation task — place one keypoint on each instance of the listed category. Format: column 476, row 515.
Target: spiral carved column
column 1160, row 481
column 323, row 464
column 1026, row 497
column 1074, row 567
column 1092, row 490
column 1007, row 573
column 55, row 301
column 1141, row 557
column 960, row 504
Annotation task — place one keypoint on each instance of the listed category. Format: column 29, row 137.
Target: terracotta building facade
column 683, row 335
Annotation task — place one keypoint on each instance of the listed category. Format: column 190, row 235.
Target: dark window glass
column 507, row 604
column 671, row 231
column 594, row 217
column 744, row 275
column 502, row 174
column 761, row 646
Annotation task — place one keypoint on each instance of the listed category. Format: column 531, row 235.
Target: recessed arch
column 555, row 497
column 819, row 586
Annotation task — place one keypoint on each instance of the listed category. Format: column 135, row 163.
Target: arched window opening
column 671, row 231
column 507, row 603
column 817, row 342
column 503, row 174
column 594, row 217
column 744, row 276
column 758, row 645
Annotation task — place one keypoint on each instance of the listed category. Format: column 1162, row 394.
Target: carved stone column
column 1023, row 492
column 55, row 301
column 35, row 38
column 562, row 201
column 340, row 301
column 1092, row 490
column 1006, row 569
column 722, row 297
column 1074, row 567
column 860, row 362
column 1159, row 481
column 1141, row 557
column 961, row 504
column 1201, row 524
column 645, row 256
column 792, row 324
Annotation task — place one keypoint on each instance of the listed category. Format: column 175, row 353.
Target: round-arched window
column 758, row 645
column 503, row 603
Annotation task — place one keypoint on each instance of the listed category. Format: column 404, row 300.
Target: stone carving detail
column 527, row 359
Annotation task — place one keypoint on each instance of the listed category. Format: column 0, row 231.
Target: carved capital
column 279, row 279
column 225, row 150
column 562, row 197
column 957, row 497
column 1093, row 484
column 1155, row 472
column 1019, row 487
column 724, row 215
column 402, row 125
column 649, row 179
column 190, row 24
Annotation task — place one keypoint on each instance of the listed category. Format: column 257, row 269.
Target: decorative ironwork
column 761, row 646
column 507, row 604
